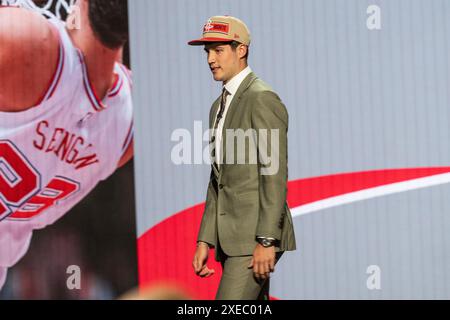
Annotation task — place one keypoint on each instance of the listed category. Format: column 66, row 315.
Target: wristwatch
column 266, row 242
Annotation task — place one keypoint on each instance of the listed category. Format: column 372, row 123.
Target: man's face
column 223, row 61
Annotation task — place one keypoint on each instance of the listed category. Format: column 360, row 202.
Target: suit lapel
column 242, row 88
column 234, row 106
column 212, row 116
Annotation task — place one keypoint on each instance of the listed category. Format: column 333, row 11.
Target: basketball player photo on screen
column 66, row 124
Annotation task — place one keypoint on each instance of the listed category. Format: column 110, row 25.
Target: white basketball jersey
column 54, row 154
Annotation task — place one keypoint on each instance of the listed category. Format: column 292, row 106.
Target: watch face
column 266, row 242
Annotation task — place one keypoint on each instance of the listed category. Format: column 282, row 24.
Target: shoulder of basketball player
column 125, row 73
column 28, row 46
column 25, row 31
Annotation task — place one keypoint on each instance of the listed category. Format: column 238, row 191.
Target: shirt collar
column 233, row 85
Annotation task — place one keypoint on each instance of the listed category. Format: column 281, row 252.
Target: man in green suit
column 246, row 217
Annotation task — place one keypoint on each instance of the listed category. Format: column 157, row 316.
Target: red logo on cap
column 216, row 27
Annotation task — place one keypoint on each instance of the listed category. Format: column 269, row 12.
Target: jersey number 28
column 21, row 194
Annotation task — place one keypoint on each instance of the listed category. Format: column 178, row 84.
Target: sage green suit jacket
column 241, row 203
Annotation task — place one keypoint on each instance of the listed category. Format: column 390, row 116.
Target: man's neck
column 99, row 59
column 242, row 67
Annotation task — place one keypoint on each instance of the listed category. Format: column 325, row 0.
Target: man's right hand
column 200, row 259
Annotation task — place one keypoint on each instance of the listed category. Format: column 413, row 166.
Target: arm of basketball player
column 28, row 58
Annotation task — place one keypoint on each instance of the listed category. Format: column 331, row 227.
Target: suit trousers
column 238, row 281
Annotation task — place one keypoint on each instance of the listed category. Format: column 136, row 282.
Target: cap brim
column 202, row 41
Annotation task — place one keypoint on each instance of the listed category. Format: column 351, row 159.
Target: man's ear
column 242, row 50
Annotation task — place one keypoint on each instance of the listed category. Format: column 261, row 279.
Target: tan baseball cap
column 223, row 29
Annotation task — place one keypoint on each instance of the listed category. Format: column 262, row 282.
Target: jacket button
column 220, row 186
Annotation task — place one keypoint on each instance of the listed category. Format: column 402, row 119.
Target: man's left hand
column 263, row 262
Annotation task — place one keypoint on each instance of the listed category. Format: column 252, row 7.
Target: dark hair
column 109, row 20
column 235, row 44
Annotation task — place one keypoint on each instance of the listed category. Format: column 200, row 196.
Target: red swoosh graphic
column 165, row 251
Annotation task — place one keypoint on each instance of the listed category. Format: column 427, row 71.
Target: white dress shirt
column 232, row 87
